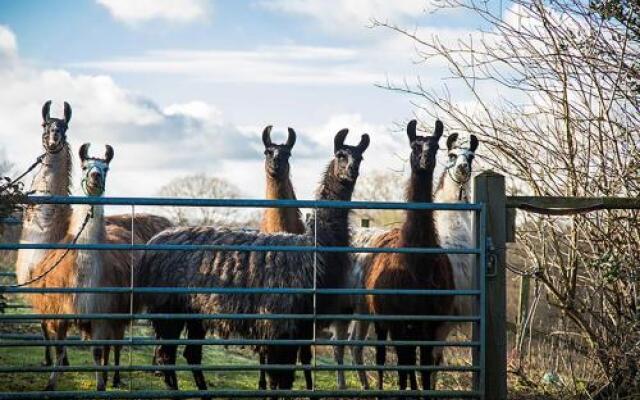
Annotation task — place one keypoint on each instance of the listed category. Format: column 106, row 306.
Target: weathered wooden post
column 489, row 188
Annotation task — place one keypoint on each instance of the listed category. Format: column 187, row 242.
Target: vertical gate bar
column 489, row 189
column 131, row 276
column 482, row 274
column 315, row 288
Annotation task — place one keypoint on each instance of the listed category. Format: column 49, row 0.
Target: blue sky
column 182, row 87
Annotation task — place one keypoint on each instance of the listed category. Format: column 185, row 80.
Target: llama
column 454, row 227
column 86, row 268
column 47, row 223
column 281, row 219
column 410, row 271
column 454, row 231
column 254, row 269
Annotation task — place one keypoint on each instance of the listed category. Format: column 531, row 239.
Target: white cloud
column 133, row 12
column 8, row 44
column 274, row 65
column 348, row 16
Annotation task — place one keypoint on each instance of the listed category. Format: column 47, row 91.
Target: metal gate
column 16, row 313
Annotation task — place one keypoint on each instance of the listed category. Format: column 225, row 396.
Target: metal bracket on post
column 492, row 259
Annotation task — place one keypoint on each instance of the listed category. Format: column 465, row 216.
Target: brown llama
column 86, row 269
column 410, row 270
column 281, row 219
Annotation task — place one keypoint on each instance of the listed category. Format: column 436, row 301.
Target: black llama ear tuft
column 266, row 136
column 411, row 130
column 474, row 143
column 108, row 155
column 364, row 143
column 439, row 129
column 84, row 151
column 291, row 139
column 338, row 141
column 451, row 140
column 45, row 111
column 67, row 113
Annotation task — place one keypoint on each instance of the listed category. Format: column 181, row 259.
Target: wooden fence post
column 489, row 188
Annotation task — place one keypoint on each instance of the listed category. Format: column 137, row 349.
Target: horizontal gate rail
column 237, row 342
column 190, row 290
column 185, row 394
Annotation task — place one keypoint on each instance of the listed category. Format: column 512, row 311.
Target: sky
column 186, row 86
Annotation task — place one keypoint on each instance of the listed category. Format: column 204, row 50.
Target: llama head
column 347, row 159
column 94, row 170
column 54, row 137
column 461, row 153
column 424, row 149
column 277, row 155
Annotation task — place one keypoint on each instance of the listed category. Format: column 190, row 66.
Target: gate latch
column 492, row 259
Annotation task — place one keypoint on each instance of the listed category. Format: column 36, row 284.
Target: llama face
column 54, row 137
column 424, row 149
column 461, row 154
column 346, row 163
column 277, row 155
column 94, row 171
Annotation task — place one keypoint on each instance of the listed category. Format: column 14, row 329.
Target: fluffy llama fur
column 255, row 269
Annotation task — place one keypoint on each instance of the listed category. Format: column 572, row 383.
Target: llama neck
column 87, row 261
column 419, row 229
column 45, row 223
column 450, row 191
column 281, row 219
column 331, row 225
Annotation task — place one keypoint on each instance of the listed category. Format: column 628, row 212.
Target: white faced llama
column 454, row 227
column 410, row 270
column 85, row 269
column 255, row 269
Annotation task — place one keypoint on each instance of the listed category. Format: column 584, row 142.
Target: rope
column 59, row 260
column 31, row 168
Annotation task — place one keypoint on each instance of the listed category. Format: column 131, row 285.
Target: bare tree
column 551, row 87
column 205, row 187
column 380, row 186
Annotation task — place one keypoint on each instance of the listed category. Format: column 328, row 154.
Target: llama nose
column 94, row 175
column 463, row 167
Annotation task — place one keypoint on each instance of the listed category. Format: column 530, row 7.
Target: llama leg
column 97, row 361
column 426, row 359
column 117, row 382
column 167, row 353
column 381, row 353
column 262, row 380
column 441, row 333
column 105, row 362
column 193, row 353
column 57, row 329
column 359, row 332
column 305, row 359
column 47, row 349
column 340, row 333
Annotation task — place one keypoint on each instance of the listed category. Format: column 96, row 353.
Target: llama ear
column 338, row 141
column 364, row 143
column 411, row 130
column 108, row 155
column 291, row 140
column 266, row 136
column 451, row 140
column 84, row 151
column 45, row 111
column 474, row 143
column 439, row 129
column 67, row 113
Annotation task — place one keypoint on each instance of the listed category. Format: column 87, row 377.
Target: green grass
column 141, row 355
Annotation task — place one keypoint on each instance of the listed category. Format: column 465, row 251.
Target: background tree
column 206, row 187
column 379, row 186
column 551, row 88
